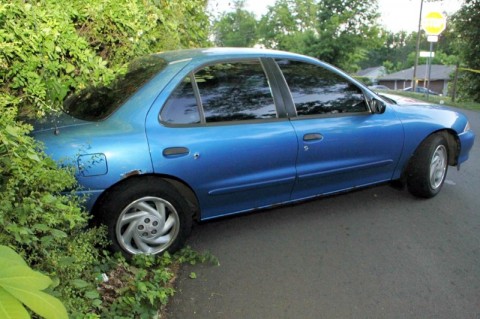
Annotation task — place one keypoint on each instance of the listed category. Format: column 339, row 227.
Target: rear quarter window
column 97, row 103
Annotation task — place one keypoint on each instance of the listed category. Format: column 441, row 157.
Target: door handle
column 312, row 137
column 175, row 151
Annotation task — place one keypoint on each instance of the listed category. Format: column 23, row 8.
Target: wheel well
column 453, row 144
column 180, row 186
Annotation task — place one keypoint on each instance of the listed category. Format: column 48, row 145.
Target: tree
column 337, row 31
column 398, row 51
column 467, row 25
column 395, row 50
column 236, row 29
column 285, row 23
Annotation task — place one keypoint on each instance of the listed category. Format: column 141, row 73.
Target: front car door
column 342, row 144
column 221, row 132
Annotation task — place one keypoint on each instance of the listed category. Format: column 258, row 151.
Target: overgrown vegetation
column 48, row 50
column 467, row 26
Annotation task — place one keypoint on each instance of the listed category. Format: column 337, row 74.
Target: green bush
column 48, row 50
column 46, row 227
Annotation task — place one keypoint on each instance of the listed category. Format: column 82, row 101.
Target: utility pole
column 414, row 78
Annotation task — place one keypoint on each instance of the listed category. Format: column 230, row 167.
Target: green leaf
column 22, row 277
column 13, row 131
column 193, row 275
column 9, row 257
column 92, row 294
column 33, row 156
column 41, row 303
column 41, row 227
column 142, row 286
column 19, row 283
column 79, row 283
column 11, row 308
column 58, row 233
column 66, row 261
column 69, row 68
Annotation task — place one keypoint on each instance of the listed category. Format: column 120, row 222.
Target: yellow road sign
column 434, row 23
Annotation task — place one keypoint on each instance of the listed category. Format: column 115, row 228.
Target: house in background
column 439, row 78
column 372, row 73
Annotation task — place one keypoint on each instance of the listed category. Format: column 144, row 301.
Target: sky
column 396, row 15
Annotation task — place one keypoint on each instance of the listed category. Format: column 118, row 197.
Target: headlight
column 467, row 127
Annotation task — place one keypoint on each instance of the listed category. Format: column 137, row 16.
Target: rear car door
column 342, row 144
column 221, row 133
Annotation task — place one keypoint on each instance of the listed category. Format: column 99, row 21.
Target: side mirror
column 377, row 106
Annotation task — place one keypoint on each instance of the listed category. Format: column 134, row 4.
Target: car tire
column 147, row 216
column 428, row 167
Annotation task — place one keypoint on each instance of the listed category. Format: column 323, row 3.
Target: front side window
column 235, row 91
column 316, row 90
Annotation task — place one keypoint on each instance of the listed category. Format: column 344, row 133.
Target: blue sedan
column 199, row 134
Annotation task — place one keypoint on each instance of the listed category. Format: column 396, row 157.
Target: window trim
column 198, row 98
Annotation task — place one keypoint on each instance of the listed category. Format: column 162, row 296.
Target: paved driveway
column 374, row 253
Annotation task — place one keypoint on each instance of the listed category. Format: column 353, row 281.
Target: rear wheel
column 146, row 217
column 428, row 167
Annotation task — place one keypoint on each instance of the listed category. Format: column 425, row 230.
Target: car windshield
column 97, row 103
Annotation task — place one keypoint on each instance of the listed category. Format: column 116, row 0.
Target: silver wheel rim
column 148, row 225
column 438, row 166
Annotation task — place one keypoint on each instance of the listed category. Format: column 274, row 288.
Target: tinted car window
column 181, row 107
column 235, row 91
column 97, row 103
column 316, row 90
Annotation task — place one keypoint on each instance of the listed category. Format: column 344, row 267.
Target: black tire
column 146, row 216
column 428, row 167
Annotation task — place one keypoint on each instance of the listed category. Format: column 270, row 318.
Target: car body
column 421, row 89
column 199, row 134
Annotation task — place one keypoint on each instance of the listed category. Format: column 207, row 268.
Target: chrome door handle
column 175, row 151
column 312, row 137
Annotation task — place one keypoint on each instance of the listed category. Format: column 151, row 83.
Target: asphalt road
column 374, row 253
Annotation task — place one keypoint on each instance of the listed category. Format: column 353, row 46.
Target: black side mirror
column 377, row 106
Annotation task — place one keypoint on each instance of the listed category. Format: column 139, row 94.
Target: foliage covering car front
column 199, row 134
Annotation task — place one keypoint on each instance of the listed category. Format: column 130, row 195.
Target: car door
column 342, row 144
column 221, row 133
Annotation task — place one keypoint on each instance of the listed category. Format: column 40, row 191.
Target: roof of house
column 375, row 72
column 438, row 72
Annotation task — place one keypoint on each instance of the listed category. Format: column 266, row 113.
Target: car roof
column 225, row 53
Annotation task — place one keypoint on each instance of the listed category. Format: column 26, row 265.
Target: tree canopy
column 346, row 33
column 467, row 27
column 337, row 31
column 236, row 29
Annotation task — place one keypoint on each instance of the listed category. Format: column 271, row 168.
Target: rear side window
column 316, row 90
column 227, row 92
column 235, row 91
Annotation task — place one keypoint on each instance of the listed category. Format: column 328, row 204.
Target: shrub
column 49, row 49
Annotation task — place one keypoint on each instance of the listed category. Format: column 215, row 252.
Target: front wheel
column 146, row 217
column 428, row 167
